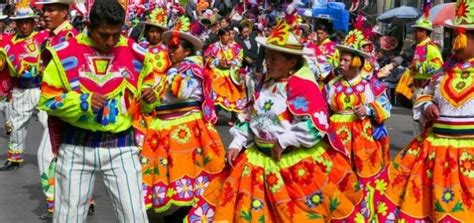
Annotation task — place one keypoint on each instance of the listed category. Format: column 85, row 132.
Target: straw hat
column 353, row 43
column 158, row 17
column 423, row 23
column 464, row 15
column 23, row 11
column 282, row 39
column 182, row 28
column 44, row 2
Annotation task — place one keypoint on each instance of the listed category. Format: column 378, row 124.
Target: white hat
column 283, row 40
column 182, row 28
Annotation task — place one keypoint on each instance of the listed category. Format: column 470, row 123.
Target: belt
column 454, row 127
column 266, row 147
column 82, row 137
column 28, row 83
column 178, row 107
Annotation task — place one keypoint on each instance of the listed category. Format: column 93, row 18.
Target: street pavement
column 21, row 198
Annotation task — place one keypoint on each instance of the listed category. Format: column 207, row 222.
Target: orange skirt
column 431, row 180
column 308, row 184
column 180, row 157
column 226, row 94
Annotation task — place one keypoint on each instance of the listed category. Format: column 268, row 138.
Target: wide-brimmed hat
column 2, row 16
column 283, row 39
column 353, row 43
column 182, row 28
column 423, row 23
column 45, row 2
column 24, row 11
column 464, row 16
column 158, row 18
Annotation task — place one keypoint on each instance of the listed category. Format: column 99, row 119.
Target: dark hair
column 300, row 60
column 324, row 27
column 183, row 42
column 223, row 31
column 243, row 25
column 108, row 12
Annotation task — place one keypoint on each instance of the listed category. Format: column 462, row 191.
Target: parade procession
column 265, row 111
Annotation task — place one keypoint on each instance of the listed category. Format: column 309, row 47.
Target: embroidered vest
column 110, row 75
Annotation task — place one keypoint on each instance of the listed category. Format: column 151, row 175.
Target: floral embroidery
column 314, row 199
column 381, row 186
column 268, row 105
column 164, row 161
column 201, row 184
column 182, row 134
column 159, row 195
column 344, row 134
column 382, row 208
column 257, row 178
column 467, row 164
column 302, row 172
column 184, row 188
column 202, row 214
column 56, row 102
column 257, row 204
column 152, row 141
column 274, row 182
column 448, row 195
column 300, row 103
column 84, row 103
column 109, row 113
column 367, row 131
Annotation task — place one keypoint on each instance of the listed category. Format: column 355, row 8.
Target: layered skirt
column 307, row 185
column 180, row 157
column 227, row 93
column 431, row 180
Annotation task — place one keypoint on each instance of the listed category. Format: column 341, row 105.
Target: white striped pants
column 75, row 175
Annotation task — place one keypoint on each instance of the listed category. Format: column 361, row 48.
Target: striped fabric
column 75, row 175
column 82, row 137
column 462, row 127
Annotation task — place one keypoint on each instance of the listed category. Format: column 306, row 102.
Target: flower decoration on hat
column 354, row 39
column 464, row 12
column 23, row 10
column 183, row 24
column 159, row 16
column 280, row 33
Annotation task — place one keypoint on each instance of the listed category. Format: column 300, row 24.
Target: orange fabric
column 228, row 95
column 310, row 190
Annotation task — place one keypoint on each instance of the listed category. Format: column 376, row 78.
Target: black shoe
column 91, row 210
column 10, row 166
column 46, row 216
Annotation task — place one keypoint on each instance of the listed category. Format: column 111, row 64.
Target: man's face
column 54, row 15
column 25, row 26
column 225, row 39
column 105, row 36
column 245, row 32
column 420, row 34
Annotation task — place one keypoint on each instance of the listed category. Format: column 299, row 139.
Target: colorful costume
column 6, row 83
column 313, row 181
column 183, row 151
column 324, row 58
column 228, row 90
column 96, row 140
column 23, row 61
column 431, row 180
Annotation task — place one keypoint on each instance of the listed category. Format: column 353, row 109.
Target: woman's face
column 225, row 39
column 153, row 34
column 177, row 53
column 345, row 62
column 321, row 35
column 278, row 66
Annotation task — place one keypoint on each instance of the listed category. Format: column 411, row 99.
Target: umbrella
column 442, row 12
column 402, row 14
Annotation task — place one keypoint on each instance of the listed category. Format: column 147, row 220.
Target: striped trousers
column 75, row 175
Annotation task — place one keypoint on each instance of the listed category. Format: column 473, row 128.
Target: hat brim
column 263, row 41
column 422, row 27
column 192, row 39
column 155, row 25
column 450, row 24
column 2, row 17
column 57, row 2
column 352, row 50
column 24, row 17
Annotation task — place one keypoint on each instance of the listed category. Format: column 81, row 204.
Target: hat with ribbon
column 24, row 11
column 181, row 30
column 158, row 17
column 283, row 39
column 353, row 43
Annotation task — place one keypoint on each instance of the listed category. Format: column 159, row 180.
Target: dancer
column 431, row 179
column 183, row 152
column 92, row 83
column 285, row 167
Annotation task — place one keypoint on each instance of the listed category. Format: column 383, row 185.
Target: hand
column 149, row 96
column 223, row 64
column 232, row 155
column 277, row 151
column 432, row 112
column 360, row 111
column 97, row 101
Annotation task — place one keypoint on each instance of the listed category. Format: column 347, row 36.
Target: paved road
column 21, row 199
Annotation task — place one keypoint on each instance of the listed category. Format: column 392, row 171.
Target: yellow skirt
column 226, row 93
column 180, row 157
